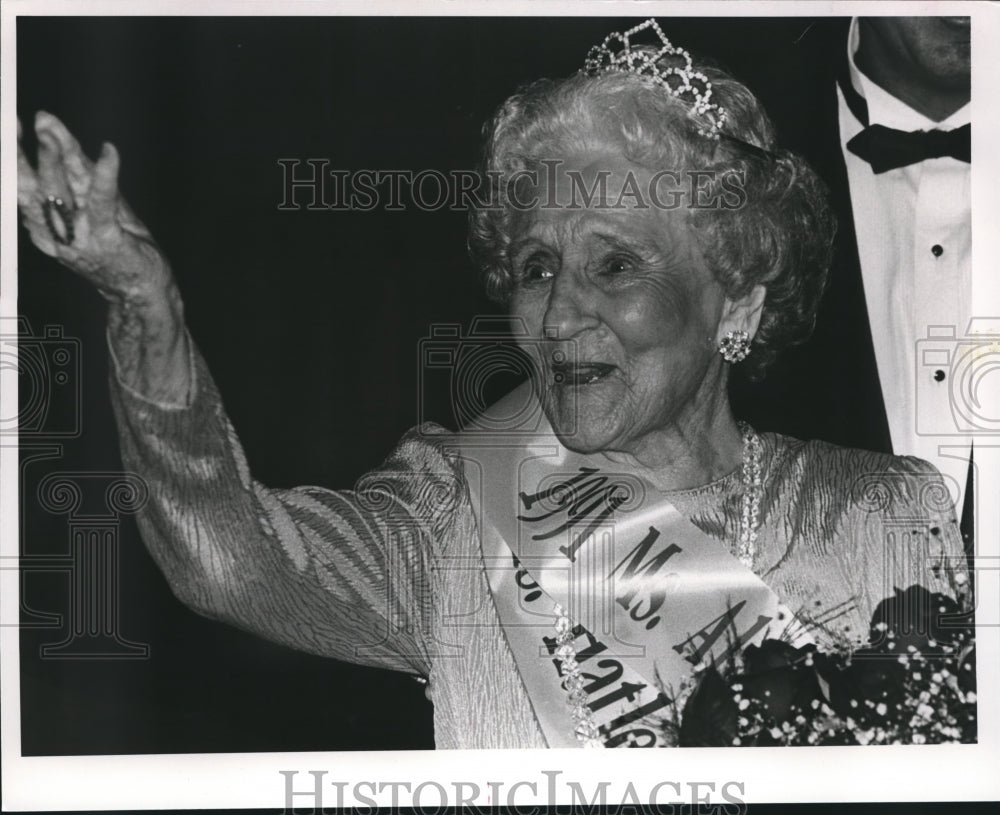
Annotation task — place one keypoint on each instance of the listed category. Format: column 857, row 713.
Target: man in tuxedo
column 881, row 108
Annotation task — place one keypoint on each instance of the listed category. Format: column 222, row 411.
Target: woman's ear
column 743, row 313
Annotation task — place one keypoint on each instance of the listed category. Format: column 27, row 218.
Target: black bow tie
column 887, row 149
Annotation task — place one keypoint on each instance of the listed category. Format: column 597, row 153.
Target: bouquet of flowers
column 913, row 682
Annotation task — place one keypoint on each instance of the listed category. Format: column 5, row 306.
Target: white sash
column 649, row 593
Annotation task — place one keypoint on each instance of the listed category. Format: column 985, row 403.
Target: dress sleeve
column 906, row 531
column 846, row 529
column 344, row 574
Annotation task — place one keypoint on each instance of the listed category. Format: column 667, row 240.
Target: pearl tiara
column 676, row 74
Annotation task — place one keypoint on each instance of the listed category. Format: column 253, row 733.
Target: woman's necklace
column 586, row 730
column 750, row 502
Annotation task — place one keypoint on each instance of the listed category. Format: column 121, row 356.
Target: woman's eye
column 535, row 271
column 617, row 266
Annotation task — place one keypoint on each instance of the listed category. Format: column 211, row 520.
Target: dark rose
column 771, row 654
column 782, row 678
column 926, row 620
column 871, row 675
column 709, row 716
column 910, row 623
column 779, row 679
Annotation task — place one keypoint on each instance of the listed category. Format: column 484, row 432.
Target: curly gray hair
column 780, row 237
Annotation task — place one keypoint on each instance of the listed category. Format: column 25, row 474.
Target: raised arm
column 343, row 574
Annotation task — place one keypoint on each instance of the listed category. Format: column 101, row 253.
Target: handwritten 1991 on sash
column 650, row 594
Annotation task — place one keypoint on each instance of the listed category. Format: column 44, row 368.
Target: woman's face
column 625, row 294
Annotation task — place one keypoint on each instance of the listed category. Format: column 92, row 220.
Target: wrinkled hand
column 110, row 247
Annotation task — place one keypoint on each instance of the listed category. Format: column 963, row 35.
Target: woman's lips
column 581, row 373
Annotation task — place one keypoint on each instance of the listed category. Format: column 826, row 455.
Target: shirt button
column 937, row 250
column 939, row 375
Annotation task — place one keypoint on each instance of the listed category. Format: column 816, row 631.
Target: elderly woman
column 552, row 580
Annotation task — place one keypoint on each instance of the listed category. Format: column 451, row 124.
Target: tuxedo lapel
column 827, row 388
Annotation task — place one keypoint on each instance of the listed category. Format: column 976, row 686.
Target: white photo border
column 776, row 775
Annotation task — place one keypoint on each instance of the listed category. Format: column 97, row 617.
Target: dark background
column 310, row 321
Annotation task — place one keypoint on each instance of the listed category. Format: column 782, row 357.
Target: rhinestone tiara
column 676, row 75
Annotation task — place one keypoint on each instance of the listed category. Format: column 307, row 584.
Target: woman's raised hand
column 74, row 213
column 103, row 242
